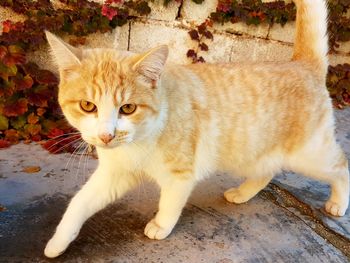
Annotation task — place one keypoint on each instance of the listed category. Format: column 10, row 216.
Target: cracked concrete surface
column 284, row 223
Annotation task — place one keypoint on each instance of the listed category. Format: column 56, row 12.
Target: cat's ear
column 64, row 54
column 151, row 64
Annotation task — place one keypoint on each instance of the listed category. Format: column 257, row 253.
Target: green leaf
column 7, row 71
column 4, row 123
column 18, row 122
column 47, row 125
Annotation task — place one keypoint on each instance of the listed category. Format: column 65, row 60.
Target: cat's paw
column 55, row 247
column 335, row 209
column 154, row 231
column 234, row 195
column 58, row 244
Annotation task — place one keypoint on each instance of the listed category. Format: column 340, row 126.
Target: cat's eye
column 127, row 109
column 87, row 106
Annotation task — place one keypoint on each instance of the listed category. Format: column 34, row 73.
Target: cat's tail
column 311, row 39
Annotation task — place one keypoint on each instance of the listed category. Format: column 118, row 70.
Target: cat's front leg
column 173, row 197
column 101, row 189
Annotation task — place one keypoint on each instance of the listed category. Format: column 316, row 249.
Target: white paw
column 154, row 231
column 335, row 209
column 57, row 245
column 234, row 195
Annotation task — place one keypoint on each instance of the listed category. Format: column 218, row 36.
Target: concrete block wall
column 169, row 25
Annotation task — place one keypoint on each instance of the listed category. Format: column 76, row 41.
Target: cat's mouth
column 112, row 144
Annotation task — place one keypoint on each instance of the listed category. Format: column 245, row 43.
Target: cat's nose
column 106, row 137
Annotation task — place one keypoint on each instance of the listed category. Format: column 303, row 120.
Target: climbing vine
column 338, row 83
column 198, row 35
column 255, row 12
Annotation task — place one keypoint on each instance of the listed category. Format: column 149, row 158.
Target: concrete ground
column 284, row 223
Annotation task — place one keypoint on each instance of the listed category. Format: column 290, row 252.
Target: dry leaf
column 31, row 169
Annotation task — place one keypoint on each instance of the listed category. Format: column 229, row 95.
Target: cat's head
column 112, row 97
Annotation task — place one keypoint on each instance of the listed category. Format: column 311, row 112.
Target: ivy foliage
column 81, row 18
column 338, row 83
column 199, row 34
column 255, row 12
column 28, row 100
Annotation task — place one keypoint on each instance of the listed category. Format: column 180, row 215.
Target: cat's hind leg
column 323, row 159
column 258, row 175
column 248, row 189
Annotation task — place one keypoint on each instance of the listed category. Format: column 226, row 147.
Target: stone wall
column 170, row 25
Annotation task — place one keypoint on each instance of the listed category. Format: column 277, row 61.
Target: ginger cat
column 179, row 124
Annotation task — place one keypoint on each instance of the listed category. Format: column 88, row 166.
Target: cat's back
column 257, row 106
column 269, row 84
column 264, row 76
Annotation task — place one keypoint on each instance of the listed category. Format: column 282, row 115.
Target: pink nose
column 106, row 137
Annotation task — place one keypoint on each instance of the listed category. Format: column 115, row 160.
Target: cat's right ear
column 64, row 54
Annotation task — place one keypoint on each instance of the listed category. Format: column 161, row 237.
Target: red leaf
column 61, row 144
column 55, row 132
column 3, row 51
column 6, row 26
column 201, row 28
column 14, row 56
column 194, row 34
column 40, row 96
column 77, row 41
column 4, row 143
column 32, row 118
column 109, row 12
column 46, row 77
column 36, row 138
column 23, row 83
column 223, row 6
column 17, row 108
column 40, row 111
column 209, row 22
column 259, row 14
column 201, row 60
column 52, row 146
column 12, row 136
column 203, row 47
column 208, row 35
column 191, row 53
column 32, row 129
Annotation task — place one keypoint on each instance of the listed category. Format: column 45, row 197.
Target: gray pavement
column 284, row 223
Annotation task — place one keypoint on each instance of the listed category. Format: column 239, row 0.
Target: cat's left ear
column 151, row 64
column 64, row 54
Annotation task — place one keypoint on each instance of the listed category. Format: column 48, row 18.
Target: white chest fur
column 134, row 158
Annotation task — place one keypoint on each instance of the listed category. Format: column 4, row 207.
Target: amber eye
column 127, row 109
column 87, row 106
